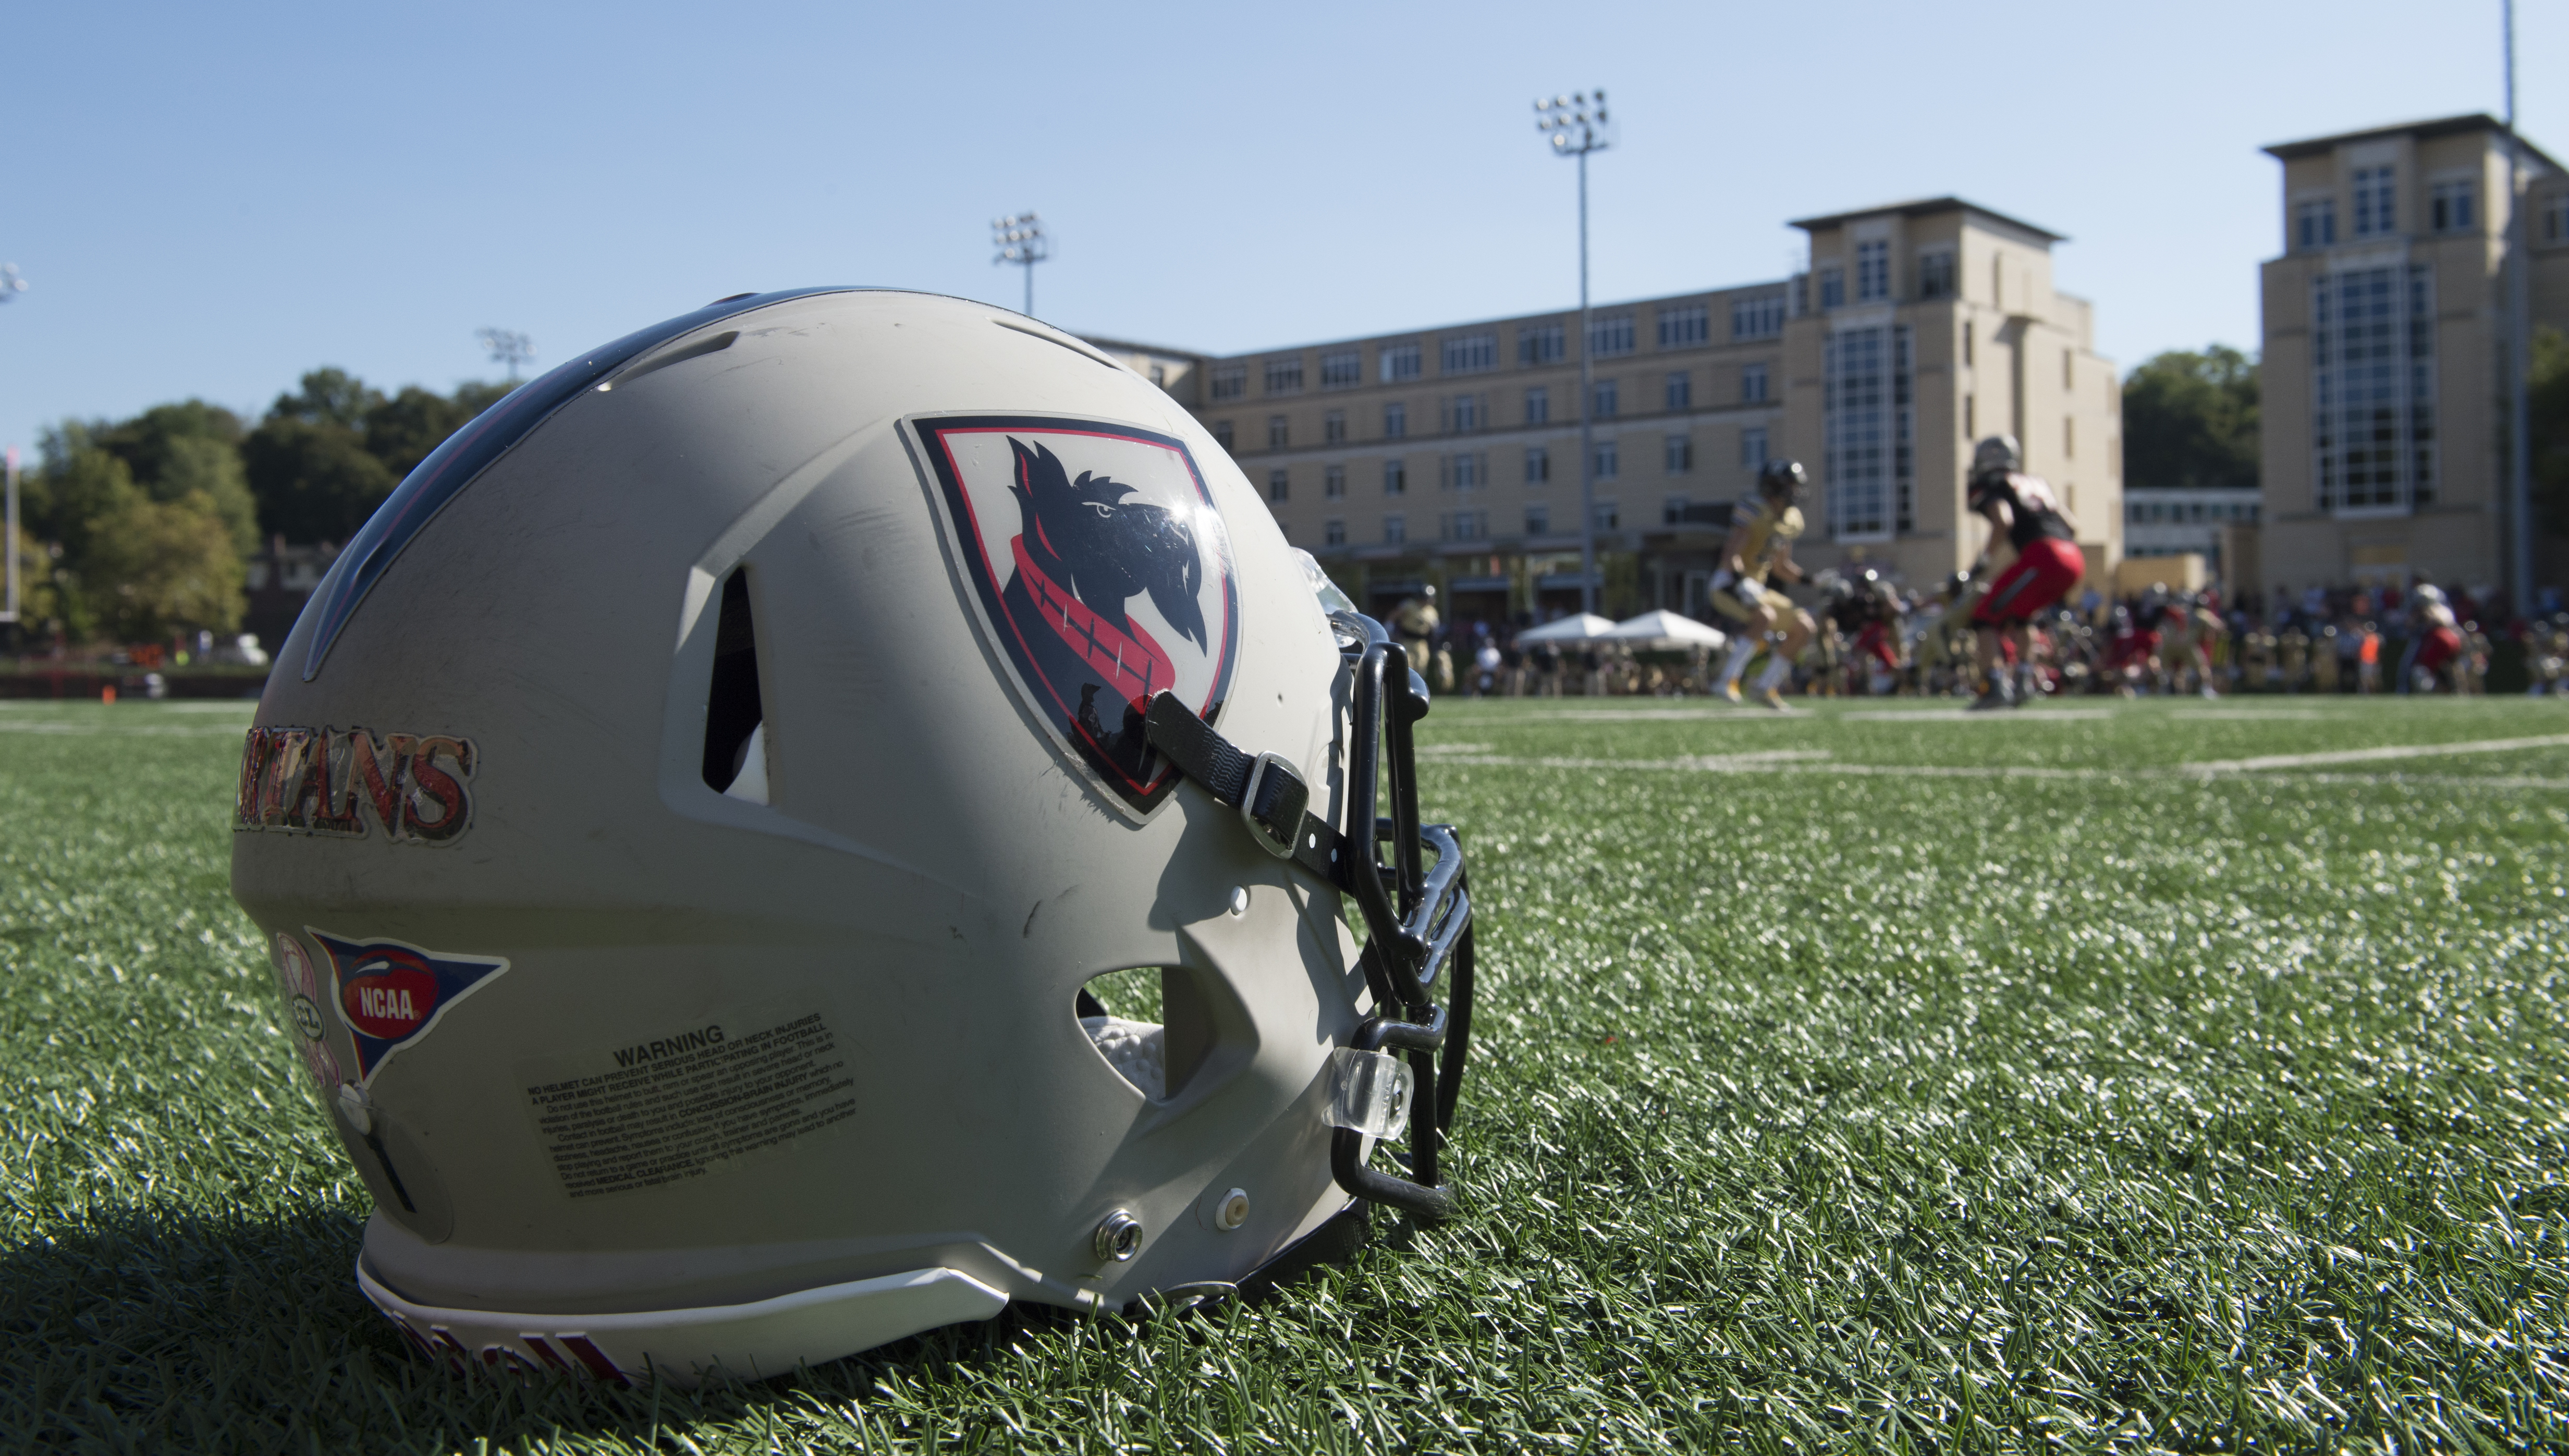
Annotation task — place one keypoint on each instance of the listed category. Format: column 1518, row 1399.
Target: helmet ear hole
column 733, row 708
column 1162, row 1026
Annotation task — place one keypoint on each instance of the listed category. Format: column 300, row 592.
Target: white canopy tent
column 1664, row 630
column 1583, row 627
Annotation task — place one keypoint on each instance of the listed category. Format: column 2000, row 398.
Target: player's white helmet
column 1998, row 455
column 689, row 817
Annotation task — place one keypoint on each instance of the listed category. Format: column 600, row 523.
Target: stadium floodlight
column 508, row 347
column 1575, row 125
column 1020, row 240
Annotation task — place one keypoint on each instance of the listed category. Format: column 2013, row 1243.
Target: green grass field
column 2102, row 1076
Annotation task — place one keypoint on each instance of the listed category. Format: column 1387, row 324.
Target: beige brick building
column 1451, row 455
column 2383, row 384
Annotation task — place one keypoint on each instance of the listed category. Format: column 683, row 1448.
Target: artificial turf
column 1868, row 1079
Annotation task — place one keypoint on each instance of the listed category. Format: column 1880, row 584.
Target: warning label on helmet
column 665, row 1110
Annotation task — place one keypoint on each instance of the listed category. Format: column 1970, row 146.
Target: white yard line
column 1818, row 761
column 2374, row 755
column 1967, row 715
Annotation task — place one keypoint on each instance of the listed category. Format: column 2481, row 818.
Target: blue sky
column 208, row 201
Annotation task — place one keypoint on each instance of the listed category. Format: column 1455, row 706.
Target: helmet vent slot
column 735, row 743
column 1123, row 1014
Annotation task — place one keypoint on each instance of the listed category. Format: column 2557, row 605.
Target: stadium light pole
column 2519, row 349
column 12, row 284
column 1575, row 125
column 1020, row 240
column 506, row 346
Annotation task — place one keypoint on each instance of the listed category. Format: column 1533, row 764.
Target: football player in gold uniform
column 1760, row 548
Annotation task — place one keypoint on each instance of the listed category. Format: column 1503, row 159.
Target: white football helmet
column 689, row 818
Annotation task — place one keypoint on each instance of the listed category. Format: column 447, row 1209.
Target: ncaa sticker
column 1102, row 573
column 389, row 993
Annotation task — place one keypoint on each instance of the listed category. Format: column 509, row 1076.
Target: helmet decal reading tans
column 337, row 781
column 1103, row 574
column 390, row 992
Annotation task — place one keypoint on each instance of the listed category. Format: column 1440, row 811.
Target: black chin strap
column 1279, row 813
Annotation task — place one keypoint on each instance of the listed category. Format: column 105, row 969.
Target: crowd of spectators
column 1877, row 638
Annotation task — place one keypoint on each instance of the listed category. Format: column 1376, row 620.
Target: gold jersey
column 1765, row 531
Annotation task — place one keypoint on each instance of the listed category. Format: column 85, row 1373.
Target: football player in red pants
column 2048, row 564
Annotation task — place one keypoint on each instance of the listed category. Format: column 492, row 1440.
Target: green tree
column 155, row 567
column 178, row 449
column 307, row 461
column 328, row 454
column 402, row 430
column 2190, row 420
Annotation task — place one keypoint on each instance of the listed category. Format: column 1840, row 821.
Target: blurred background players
column 2023, row 512
column 1762, row 546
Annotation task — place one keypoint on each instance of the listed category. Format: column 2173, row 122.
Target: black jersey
column 2035, row 512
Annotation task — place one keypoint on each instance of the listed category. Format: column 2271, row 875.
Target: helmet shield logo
column 1103, row 574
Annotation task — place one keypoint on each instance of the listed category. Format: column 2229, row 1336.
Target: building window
column 1606, row 465
column 1540, row 344
column 1684, row 326
column 1395, row 529
column 1334, row 532
column 1399, row 362
column 1802, row 286
column 1538, row 406
column 2315, row 223
column 1462, row 471
column 1395, row 477
column 1904, row 421
column 1864, row 418
column 1462, row 414
column 1333, row 481
column 1679, row 391
column 1935, row 273
column 1279, row 430
column 1160, row 375
column 1752, row 384
column 1465, row 525
column 2450, row 205
column 1872, row 271
column 2068, row 380
column 1284, row 376
column 1608, row 516
column 1673, row 511
column 1537, row 520
column 1758, row 317
column 1472, row 354
column 1610, row 336
column 2068, row 438
column 2373, row 213
column 1752, row 447
column 1967, row 346
column 2555, row 218
column 1221, row 434
column 1679, row 459
column 1230, row 381
column 1342, row 369
column 1334, row 427
column 1971, row 413
column 1280, row 483
column 1832, row 286
column 1605, row 402
column 1396, row 421
column 2373, row 389
column 1538, row 465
